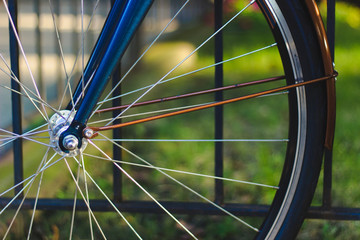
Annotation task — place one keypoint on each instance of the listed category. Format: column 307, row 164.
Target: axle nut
column 70, row 142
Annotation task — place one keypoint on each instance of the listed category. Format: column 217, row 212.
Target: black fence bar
column 327, row 185
column 330, row 22
column 328, row 155
column 140, row 207
column 335, row 213
column 117, row 134
column 15, row 97
column 219, row 110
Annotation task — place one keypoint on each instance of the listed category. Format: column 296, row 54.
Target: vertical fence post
column 331, row 26
column 328, row 158
column 15, row 97
column 117, row 134
column 219, row 111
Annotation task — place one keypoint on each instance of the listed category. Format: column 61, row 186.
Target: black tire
column 284, row 223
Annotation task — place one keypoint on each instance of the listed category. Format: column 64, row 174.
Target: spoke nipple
column 88, row 133
column 70, row 142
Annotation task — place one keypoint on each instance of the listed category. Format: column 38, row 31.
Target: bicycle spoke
column 149, row 113
column 145, row 191
column 62, row 56
column 74, row 204
column 82, row 49
column 68, row 86
column 179, row 171
column 170, row 109
column 187, row 95
column 79, row 98
column 181, row 184
column 107, row 98
column 17, row 210
column 191, row 140
column 43, row 162
column 24, row 56
column 87, row 195
column 58, row 39
column 21, row 94
column 82, row 195
column 16, row 136
column 110, row 202
column 36, row 199
column 211, row 105
column 13, row 136
column 25, row 89
column 30, row 178
column 73, row 108
column 185, row 74
column 184, row 59
column 38, row 137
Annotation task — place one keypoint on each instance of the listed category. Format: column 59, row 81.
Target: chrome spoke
column 16, row 136
column 146, row 192
column 68, row 86
column 149, row 113
column 30, row 178
column 21, row 94
column 74, row 204
column 180, row 171
column 25, row 58
column 58, row 39
column 82, row 49
column 111, row 203
column 182, row 61
column 79, row 98
column 25, row 89
column 87, row 195
column 29, row 134
column 30, row 183
column 186, row 74
column 143, row 54
column 190, row 140
column 184, row 186
column 36, row 198
column 84, row 198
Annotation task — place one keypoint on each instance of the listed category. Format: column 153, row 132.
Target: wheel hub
column 69, row 146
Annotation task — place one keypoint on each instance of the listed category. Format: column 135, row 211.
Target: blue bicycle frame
column 122, row 22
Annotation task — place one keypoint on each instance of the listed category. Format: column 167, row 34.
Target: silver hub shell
column 59, row 123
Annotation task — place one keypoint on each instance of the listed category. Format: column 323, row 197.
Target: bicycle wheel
column 220, row 161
